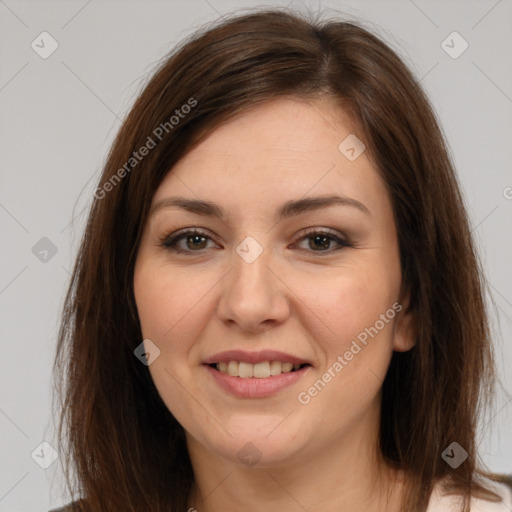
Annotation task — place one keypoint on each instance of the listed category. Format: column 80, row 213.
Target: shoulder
column 440, row 502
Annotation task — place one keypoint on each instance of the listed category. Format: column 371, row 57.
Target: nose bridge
column 250, row 280
column 251, row 264
column 252, row 294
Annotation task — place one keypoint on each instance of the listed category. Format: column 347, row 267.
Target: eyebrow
column 287, row 210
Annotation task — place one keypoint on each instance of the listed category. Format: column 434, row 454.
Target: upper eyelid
column 340, row 238
column 185, row 231
column 206, row 232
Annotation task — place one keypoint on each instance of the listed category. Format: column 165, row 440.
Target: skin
column 294, row 298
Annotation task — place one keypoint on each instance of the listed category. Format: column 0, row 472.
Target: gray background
column 58, row 118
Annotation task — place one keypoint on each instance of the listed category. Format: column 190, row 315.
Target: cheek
column 170, row 312
column 361, row 312
column 165, row 301
column 346, row 304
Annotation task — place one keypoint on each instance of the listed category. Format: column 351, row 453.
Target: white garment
column 452, row 503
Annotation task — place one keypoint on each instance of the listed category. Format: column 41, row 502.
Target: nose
column 254, row 297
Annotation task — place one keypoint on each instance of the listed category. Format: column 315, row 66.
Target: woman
column 277, row 302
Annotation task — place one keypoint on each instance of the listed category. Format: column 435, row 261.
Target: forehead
column 285, row 148
column 287, row 124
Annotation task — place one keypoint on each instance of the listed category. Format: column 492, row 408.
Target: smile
column 255, row 387
column 261, row 370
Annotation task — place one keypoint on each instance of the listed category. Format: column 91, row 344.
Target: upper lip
column 254, row 357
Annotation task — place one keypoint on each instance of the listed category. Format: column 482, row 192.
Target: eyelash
column 170, row 241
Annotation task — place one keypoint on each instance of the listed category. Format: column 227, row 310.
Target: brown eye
column 195, row 241
column 321, row 241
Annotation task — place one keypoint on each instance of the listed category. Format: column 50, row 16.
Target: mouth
column 255, row 375
column 261, row 370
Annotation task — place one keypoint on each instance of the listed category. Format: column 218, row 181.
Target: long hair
column 127, row 450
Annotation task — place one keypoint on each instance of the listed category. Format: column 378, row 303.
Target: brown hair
column 127, row 449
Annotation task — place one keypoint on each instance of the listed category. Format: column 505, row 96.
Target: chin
column 262, row 447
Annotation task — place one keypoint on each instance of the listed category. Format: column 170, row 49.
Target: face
column 243, row 271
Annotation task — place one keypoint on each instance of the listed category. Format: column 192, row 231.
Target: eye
column 195, row 241
column 320, row 240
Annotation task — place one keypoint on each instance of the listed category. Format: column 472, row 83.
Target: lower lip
column 253, row 387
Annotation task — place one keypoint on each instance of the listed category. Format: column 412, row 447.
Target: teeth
column 286, row 367
column 245, row 370
column 262, row 370
column 232, row 368
column 275, row 367
column 258, row 371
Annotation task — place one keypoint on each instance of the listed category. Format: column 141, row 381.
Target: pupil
column 325, row 245
column 195, row 238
